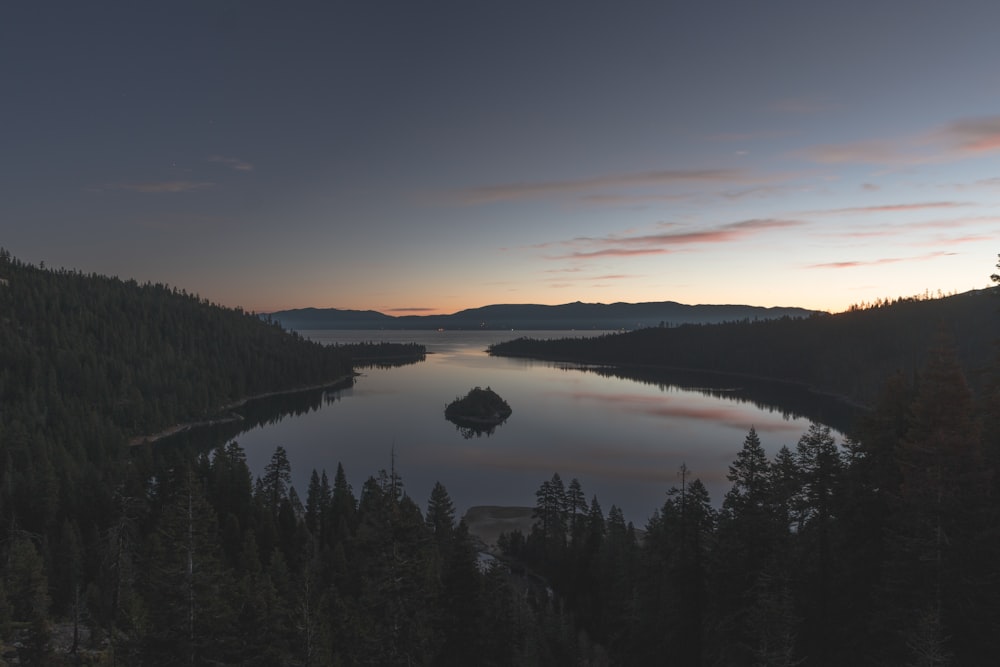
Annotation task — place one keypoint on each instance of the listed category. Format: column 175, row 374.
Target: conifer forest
column 881, row 549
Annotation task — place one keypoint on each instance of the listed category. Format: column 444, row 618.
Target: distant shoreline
column 339, row 383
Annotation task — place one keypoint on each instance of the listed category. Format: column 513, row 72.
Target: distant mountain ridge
column 576, row 315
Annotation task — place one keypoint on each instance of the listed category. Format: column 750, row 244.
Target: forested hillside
column 87, row 361
column 138, row 357
column 881, row 550
column 848, row 354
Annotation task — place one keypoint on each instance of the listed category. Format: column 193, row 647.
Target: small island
column 480, row 411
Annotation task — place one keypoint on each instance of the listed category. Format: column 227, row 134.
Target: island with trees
column 479, row 411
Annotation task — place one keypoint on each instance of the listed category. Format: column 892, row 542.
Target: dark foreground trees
column 883, row 546
column 878, row 550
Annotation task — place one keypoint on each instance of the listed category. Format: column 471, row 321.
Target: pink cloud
column 659, row 244
column 633, row 200
column 897, row 230
column 730, row 232
column 975, row 135
column 851, row 264
column 959, row 139
column 882, row 208
column 615, row 252
column 518, row 191
column 956, row 240
column 866, row 152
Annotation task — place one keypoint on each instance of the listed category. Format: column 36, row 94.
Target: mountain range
column 567, row 316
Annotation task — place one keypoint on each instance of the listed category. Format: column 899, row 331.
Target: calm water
column 624, row 439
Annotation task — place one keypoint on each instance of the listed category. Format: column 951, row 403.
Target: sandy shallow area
column 487, row 522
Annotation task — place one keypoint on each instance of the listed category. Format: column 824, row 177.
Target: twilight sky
column 415, row 157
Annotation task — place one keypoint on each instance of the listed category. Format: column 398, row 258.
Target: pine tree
column 944, row 513
column 461, row 603
column 550, row 513
column 576, row 504
column 276, row 480
column 343, row 506
column 188, row 591
column 820, row 468
column 397, row 585
column 316, row 505
column 440, row 515
column 28, row 600
column 747, row 541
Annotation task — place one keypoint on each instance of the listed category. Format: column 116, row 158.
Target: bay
column 624, row 435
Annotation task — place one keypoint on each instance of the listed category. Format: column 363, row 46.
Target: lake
column 624, row 438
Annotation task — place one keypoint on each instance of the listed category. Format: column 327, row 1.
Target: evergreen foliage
column 884, row 546
column 479, row 406
column 848, row 354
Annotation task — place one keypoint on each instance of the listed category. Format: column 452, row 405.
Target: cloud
column 661, row 243
column 758, row 192
column 615, row 252
column 664, row 243
column 586, row 277
column 878, row 151
column 959, row 139
column 519, row 191
column 956, row 240
column 975, row 135
column 851, row 264
column 633, row 200
column 889, row 208
column 908, row 228
column 731, row 232
column 234, row 162
column 161, row 187
column 870, row 187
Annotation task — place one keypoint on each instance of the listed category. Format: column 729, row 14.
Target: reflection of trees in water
column 384, row 364
column 790, row 400
column 474, row 429
column 253, row 414
column 383, row 355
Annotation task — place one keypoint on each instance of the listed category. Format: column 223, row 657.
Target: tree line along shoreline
column 883, row 546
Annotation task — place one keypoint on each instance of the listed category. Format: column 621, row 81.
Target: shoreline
column 339, row 383
column 846, row 400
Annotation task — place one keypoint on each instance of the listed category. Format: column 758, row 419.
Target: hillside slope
column 136, row 358
column 849, row 354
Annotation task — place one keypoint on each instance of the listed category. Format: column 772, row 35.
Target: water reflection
column 471, row 430
column 790, row 400
column 624, row 434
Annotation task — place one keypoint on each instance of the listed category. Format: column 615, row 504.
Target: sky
column 426, row 157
